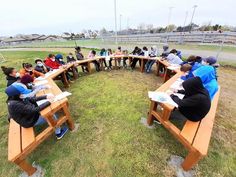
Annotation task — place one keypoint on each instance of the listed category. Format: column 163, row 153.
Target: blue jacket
column 195, row 66
column 208, row 76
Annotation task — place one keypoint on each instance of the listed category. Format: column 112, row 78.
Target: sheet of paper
column 40, row 78
column 41, row 82
column 181, row 96
column 177, row 85
column 41, row 102
column 161, row 97
column 61, row 96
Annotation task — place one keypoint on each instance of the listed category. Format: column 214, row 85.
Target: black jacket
column 26, row 112
column 70, row 59
column 41, row 69
column 196, row 102
column 11, row 80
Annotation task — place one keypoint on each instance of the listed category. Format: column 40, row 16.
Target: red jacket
column 51, row 64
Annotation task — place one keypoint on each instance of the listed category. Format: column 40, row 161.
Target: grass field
column 111, row 141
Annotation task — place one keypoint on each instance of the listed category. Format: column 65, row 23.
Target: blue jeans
column 148, row 66
column 42, row 121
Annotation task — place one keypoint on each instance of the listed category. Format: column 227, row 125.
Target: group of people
column 200, row 82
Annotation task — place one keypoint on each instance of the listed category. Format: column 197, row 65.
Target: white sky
column 57, row 16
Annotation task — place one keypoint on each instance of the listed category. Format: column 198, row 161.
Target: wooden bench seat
column 195, row 136
column 21, row 142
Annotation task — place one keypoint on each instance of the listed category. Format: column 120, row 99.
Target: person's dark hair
column 109, row 50
column 7, row 71
column 38, row 60
column 198, row 59
column 27, row 65
column 119, row 48
column 191, row 58
column 136, row 48
column 174, row 51
column 103, row 50
column 145, row 48
column 93, row 52
column 51, row 55
column 186, row 67
column 70, row 53
column 78, row 49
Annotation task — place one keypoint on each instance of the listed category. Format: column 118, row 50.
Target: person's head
column 193, row 86
column 78, row 49
column 93, row 52
column 209, row 60
column 10, row 71
column 136, row 48
column 119, row 48
column 28, row 67
column 70, row 55
column 39, row 62
column 154, row 48
column 198, row 59
column 52, row 57
column 59, row 57
column 174, row 51
column 165, row 47
column 191, row 59
column 125, row 52
column 27, row 80
column 186, row 67
column 145, row 48
column 110, row 51
column 103, row 50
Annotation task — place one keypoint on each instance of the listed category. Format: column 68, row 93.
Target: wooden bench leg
column 192, row 158
column 69, row 121
column 150, row 116
column 29, row 169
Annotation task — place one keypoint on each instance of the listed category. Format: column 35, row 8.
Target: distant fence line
column 210, row 38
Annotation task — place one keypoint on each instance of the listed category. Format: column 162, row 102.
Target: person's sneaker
column 62, row 133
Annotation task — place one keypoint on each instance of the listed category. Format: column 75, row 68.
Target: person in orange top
column 28, row 69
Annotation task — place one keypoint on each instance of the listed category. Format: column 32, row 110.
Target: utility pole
column 194, row 8
column 169, row 17
column 115, row 21
column 120, row 21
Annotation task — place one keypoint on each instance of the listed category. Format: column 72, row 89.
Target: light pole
column 194, row 8
column 169, row 16
column 120, row 21
column 186, row 16
column 115, row 21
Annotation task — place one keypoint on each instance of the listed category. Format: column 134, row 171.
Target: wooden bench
column 195, row 136
column 21, row 142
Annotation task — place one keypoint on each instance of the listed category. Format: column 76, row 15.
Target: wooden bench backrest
column 19, row 139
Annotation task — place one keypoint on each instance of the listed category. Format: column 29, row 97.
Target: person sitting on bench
column 40, row 67
column 80, row 56
column 117, row 53
column 139, row 52
column 208, row 76
column 26, row 112
column 103, row 53
column 196, row 102
column 91, row 55
column 166, row 51
column 153, row 53
column 28, row 69
column 11, row 75
column 172, row 58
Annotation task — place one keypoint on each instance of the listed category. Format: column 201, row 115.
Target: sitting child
column 196, row 102
column 26, row 112
column 11, row 75
column 172, row 58
column 28, row 69
column 40, row 67
column 153, row 53
column 207, row 75
column 92, row 55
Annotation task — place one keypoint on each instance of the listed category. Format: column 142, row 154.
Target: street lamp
column 169, row 16
column 120, row 21
column 194, row 8
column 115, row 21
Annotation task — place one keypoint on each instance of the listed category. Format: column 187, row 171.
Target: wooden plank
column 27, row 137
column 14, row 140
column 189, row 130
column 203, row 136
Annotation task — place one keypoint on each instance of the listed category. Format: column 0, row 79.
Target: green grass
column 111, row 141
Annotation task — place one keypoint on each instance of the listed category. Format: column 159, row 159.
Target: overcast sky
column 57, row 16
